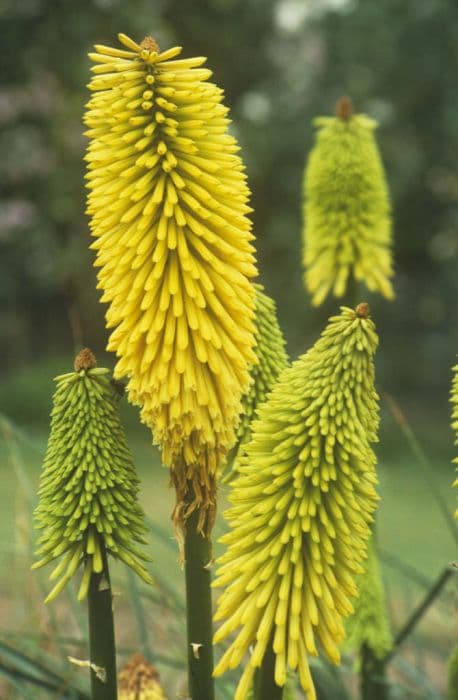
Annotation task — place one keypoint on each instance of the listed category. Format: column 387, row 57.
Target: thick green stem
column 198, row 553
column 265, row 687
column 373, row 680
column 101, row 635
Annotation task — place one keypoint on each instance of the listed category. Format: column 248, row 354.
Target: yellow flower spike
column 168, row 201
column 454, row 401
column 347, row 213
column 301, row 507
column 369, row 625
column 139, row 680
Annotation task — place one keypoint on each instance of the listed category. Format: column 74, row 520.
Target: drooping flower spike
column 272, row 359
column 88, row 486
column 168, row 206
column 369, row 626
column 454, row 401
column 347, row 214
column 139, row 680
column 302, row 507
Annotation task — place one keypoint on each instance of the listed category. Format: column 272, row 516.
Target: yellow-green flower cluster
column 139, row 680
column 347, row 220
column 302, row 507
column 168, row 205
column 454, row 400
column 369, row 625
column 88, row 486
column 272, row 359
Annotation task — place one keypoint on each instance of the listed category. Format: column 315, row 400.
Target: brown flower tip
column 137, row 677
column 363, row 310
column 344, row 108
column 85, row 360
column 150, row 44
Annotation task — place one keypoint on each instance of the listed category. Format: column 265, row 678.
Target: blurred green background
column 281, row 63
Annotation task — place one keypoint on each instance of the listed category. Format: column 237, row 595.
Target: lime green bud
column 369, row 625
column 272, row 359
column 88, row 486
column 452, row 685
column 139, row 680
column 454, row 400
column 347, row 230
column 302, row 507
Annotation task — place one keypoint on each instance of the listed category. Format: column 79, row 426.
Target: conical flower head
column 302, row 507
column 139, row 680
column 369, row 625
column 168, row 206
column 272, row 359
column 454, row 400
column 88, row 487
column 347, row 220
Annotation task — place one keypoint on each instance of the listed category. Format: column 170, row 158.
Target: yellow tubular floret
column 168, row 202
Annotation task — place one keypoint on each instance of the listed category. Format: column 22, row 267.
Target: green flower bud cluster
column 88, row 486
column 454, row 400
column 272, row 359
column 347, row 231
column 302, row 507
column 369, row 624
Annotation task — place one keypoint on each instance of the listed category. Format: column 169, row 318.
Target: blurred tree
column 282, row 62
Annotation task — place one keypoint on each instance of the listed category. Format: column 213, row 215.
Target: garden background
column 281, row 63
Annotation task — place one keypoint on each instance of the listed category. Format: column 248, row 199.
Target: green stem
column 265, row 687
column 101, row 635
column 198, row 555
column 373, row 681
column 421, row 609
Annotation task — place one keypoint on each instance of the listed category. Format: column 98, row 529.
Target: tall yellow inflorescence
column 302, row 507
column 168, row 206
column 347, row 213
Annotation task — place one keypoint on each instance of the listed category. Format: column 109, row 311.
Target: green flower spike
column 454, row 400
column 369, row 626
column 302, row 508
column 272, row 359
column 347, row 231
column 88, row 486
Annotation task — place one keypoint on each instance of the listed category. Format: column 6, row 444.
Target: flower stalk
column 265, row 687
column 101, row 635
column 197, row 563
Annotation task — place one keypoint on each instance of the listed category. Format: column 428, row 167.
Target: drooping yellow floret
column 347, row 217
column 454, row 400
column 168, row 206
column 302, row 508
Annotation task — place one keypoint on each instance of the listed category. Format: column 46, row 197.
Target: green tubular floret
column 454, row 401
column 88, row 486
column 302, row 507
column 347, row 214
column 369, row 626
column 272, row 359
